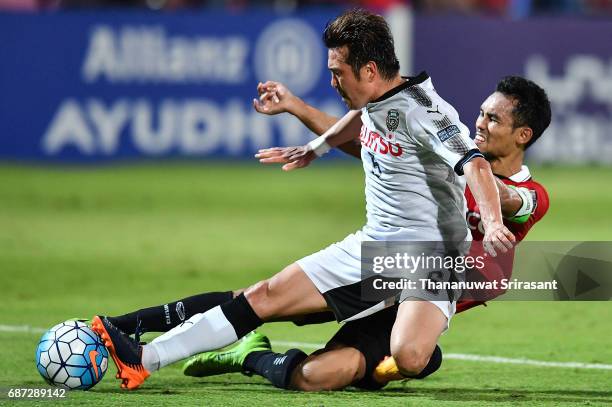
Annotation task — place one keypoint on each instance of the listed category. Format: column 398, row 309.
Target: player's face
column 352, row 90
column 495, row 132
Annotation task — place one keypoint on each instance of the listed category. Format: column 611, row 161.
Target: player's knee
column 307, row 378
column 258, row 297
column 434, row 363
column 411, row 360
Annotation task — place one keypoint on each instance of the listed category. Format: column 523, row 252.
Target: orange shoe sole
column 131, row 376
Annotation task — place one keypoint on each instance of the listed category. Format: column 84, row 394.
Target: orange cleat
column 125, row 351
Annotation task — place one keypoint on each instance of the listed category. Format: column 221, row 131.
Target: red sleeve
column 542, row 201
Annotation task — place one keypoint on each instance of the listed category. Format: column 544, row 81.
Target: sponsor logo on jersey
column 474, row 221
column 392, row 119
column 448, row 132
column 378, row 144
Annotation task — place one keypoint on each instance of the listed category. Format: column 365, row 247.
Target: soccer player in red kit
column 509, row 121
column 499, row 113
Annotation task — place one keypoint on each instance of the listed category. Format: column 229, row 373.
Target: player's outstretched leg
column 228, row 361
column 326, row 369
column 286, row 294
column 125, row 351
column 163, row 317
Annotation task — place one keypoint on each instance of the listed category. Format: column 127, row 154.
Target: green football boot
column 228, row 361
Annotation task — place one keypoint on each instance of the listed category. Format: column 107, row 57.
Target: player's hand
column 274, row 98
column 292, row 157
column 497, row 237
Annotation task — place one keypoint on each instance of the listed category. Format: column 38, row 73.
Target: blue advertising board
column 570, row 59
column 101, row 86
column 120, row 85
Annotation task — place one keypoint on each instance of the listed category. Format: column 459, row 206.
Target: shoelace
column 138, row 332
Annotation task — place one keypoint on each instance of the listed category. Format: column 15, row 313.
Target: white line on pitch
column 455, row 356
column 21, row 328
column 530, row 362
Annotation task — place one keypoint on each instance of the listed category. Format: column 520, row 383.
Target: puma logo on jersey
column 434, row 111
column 378, row 144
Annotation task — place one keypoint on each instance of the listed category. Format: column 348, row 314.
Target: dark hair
column 532, row 105
column 367, row 37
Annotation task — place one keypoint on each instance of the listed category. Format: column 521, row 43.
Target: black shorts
column 371, row 336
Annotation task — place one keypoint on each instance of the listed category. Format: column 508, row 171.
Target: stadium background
column 126, row 177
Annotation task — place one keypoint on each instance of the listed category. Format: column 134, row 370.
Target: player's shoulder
column 534, row 185
column 419, row 91
column 421, row 96
column 525, row 179
column 415, row 96
column 427, row 109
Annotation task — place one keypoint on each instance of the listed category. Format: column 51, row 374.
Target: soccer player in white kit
column 414, row 148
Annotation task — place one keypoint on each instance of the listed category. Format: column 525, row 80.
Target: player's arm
column 517, row 203
column 481, row 182
column 275, row 98
column 455, row 147
column 344, row 130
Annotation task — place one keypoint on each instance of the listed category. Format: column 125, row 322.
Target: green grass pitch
column 112, row 239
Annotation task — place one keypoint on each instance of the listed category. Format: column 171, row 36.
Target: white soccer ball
column 72, row 356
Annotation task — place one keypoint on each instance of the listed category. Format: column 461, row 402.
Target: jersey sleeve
column 541, row 199
column 541, row 207
column 442, row 132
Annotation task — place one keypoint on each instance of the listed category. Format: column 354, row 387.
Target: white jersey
column 413, row 148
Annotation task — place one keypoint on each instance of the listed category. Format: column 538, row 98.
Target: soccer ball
column 72, row 356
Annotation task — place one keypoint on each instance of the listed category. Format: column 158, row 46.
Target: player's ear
column 524, row 135
column 370, row 70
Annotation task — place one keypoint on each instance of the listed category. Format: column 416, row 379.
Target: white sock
column 200, row 333
column 150, row 358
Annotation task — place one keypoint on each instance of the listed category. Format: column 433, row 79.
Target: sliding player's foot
column 229, row 361
column 125, row 351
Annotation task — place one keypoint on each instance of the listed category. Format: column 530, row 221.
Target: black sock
column 316, row 318
column 276, row 367
column 435, row 361
column 240, row 314
column 162, row 318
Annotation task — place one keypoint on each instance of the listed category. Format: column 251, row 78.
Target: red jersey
column 501, row 267
column 520, row 179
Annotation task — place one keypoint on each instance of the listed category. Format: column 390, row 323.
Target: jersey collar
column 410, row 81
column 521, row 176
